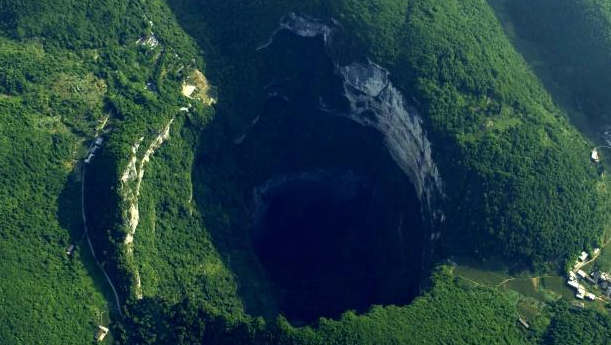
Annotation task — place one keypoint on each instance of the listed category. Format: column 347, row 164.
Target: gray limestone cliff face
column 375, row 102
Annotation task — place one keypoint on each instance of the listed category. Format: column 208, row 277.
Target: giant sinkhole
column 310, row 209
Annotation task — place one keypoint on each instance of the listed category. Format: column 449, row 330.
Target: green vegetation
column 66, row 67
column 578, row 326
column 515, row 179
column 521, row 190
column 573, row 44
column 488, row 277
column 451, row 312
column 46, row 296
column 175, row 255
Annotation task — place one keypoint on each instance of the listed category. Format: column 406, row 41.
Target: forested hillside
column 173, row 232
column 571, row 326
column 572, row 47
column 453, row 311
column 521, row 160
column 41, row 125
column 71, row 70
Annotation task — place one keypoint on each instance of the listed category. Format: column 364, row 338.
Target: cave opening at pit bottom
column 331, row 242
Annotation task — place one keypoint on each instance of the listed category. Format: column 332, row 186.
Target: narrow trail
column 515, row 278
column 86, row 235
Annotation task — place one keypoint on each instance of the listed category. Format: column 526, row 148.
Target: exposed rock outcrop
column 375, row 102
column 129, row 191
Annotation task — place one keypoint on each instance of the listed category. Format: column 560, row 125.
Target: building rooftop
column 101, row 333
column 595, row 157
column 583, row 256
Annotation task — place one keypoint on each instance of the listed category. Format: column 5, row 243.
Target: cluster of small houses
column 595, row 278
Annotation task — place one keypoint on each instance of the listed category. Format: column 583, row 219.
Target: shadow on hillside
column 227, row 221
column 70, row 218
column 209, row 180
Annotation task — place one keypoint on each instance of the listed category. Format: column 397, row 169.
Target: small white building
column 580, row 294
column 187, row 89
column 596, row 251
column 595, row 157
column 590, row 296
column 574, row 284
column 582, row 274
column 572, row 275
column 101, row 333
column 583, row 256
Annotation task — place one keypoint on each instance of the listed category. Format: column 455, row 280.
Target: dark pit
column 307, row 208
column 331, row 242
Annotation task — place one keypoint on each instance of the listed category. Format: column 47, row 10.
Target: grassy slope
column 570, row 46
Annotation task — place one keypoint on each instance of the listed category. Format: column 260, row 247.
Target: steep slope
column 568, row 44
column 510, row 157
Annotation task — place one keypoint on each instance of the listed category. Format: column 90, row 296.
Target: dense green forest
column 570, row 326
column 47, row 297
column 520, row 187
column 570, row 46
column 67, row 68
column 453, row 311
